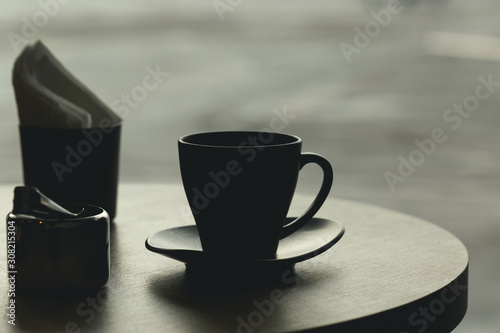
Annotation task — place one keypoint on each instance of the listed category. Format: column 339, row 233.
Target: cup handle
column 299, row 222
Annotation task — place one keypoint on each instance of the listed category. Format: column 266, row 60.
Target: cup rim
column 292, row 139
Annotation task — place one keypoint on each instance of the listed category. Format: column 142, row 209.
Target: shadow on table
column 59, row 313
column 233, row 302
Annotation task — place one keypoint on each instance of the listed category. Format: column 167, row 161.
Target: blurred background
column 359, row 80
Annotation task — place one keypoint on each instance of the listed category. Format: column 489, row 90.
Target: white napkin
column 48, row 95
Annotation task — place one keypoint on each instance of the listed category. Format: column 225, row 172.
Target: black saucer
column 183, row 244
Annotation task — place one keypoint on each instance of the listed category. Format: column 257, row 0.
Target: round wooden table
column 389, row 273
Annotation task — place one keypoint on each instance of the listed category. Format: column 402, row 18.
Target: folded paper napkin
column 49, row 96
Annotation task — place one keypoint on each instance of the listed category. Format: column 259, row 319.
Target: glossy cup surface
column 239, row 186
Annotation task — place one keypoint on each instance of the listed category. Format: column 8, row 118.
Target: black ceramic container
column 50, row 252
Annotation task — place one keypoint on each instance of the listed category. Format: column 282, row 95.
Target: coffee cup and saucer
column 239, row 186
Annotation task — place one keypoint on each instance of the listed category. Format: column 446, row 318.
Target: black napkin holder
column 73, row 165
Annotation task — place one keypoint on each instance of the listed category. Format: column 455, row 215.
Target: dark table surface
column 389, row 273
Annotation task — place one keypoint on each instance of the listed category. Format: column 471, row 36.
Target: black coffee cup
column 240, row 186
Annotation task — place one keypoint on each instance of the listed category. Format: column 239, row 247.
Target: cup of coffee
column 240, row 186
